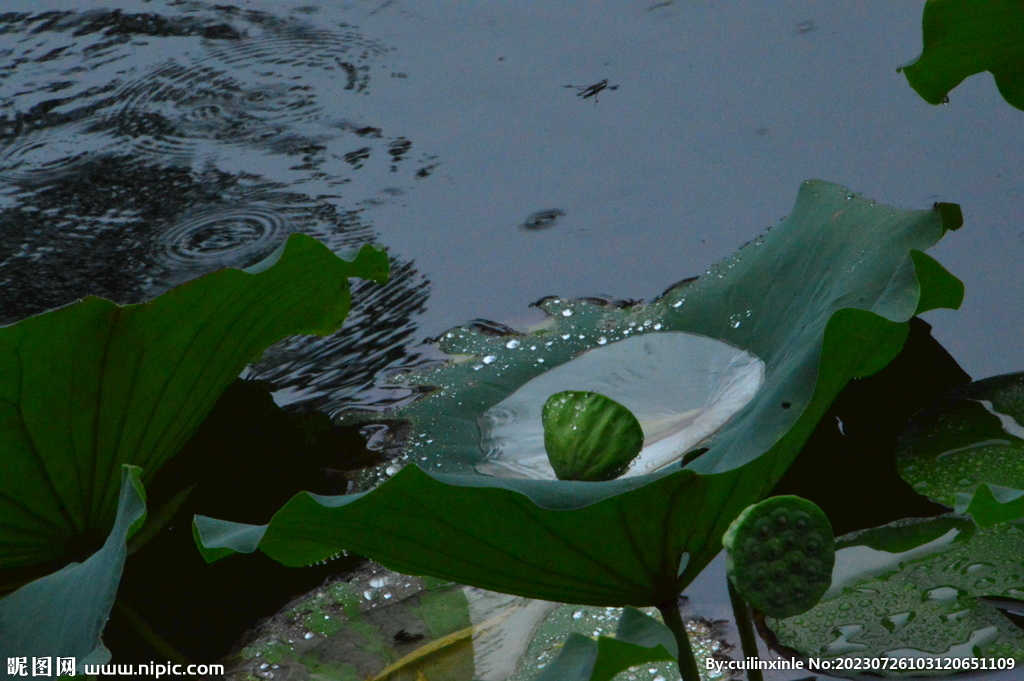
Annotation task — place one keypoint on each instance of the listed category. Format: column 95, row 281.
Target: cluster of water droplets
column 956, row 447
column 507, row 360
column 737, row 319
column 927, row 607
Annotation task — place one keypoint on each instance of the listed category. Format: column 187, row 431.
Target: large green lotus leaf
column 63, row 614
column 769, row 303
column 94, row 385
column 965, row 37
column 377, row 624
column 821, row 299
column 929, row 600
column 967, row 450
column 573, row 542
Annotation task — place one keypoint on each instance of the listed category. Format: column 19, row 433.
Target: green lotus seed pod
column 589, row 436
column 780, row 554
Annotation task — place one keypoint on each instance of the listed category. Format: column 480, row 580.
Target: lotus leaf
column 380, row 625
column 639, row 639
column 967, row 450
column 63, row 614
column 823, row 298
column 92, row 386
column 927, row 601
column 88, row 387
column 965, row 37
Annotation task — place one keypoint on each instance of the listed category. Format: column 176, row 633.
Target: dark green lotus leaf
column 94, row 385
column 63, row 614
column 588, row 436
column 967, row 450
column 780, row 555
column 588, row 653
column 993, row 504
column 934, row 600
column 376, row 624
column 965, row 37
column 821, row 299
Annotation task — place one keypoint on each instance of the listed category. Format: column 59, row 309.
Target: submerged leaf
column 967, row 450
column 640, row 639
column 821, row 299
column 384, row 626
column 925, row 602
column 94, row 385
column 965, row 37
column 589, row 436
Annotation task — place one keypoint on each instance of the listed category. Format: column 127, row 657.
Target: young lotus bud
column 589, row 437
column 780, row 555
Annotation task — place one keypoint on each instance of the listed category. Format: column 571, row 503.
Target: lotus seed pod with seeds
column 780, row 555
column 589, row 437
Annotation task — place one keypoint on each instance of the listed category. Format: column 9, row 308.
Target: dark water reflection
column 140, row 150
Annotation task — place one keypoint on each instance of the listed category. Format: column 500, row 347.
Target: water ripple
column 45, row 155
column 223, row 237
column 281, row 46
column 139, row 150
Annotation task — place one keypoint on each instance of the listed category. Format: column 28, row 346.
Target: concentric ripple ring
column 222, row 237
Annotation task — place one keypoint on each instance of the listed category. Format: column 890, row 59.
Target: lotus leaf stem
column 748, row 642
column 674, row 621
